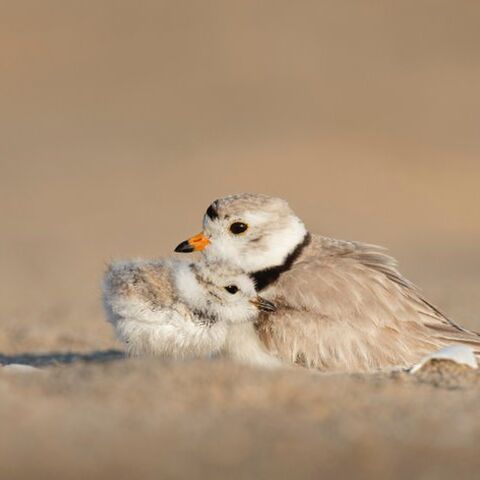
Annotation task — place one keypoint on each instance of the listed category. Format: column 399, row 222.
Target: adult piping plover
column 341, row 305
column 181, row 310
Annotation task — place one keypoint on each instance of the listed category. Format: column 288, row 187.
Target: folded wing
column 345, row 306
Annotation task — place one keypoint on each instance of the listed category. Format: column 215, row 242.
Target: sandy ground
column 147, row 419
column 121, row 121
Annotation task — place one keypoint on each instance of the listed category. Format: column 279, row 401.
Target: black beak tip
column 184, row 247
column 271, row 307
column 267, row 306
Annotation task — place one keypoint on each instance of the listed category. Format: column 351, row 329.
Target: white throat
column 252, row 258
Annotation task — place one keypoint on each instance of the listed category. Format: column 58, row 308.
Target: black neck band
column 264, row 278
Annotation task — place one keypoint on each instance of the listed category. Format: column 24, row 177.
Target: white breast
column 167, row 332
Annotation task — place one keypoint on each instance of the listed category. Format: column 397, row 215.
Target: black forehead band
column 212, row 212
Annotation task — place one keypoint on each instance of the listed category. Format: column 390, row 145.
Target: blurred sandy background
column 121, row 121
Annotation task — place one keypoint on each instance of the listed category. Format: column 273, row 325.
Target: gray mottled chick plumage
column 182, row 310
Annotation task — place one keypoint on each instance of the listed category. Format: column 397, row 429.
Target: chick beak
column 263, row 305
column 196, row 243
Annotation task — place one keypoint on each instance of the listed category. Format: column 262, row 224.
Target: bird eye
column 233, row 289
column 238, row 227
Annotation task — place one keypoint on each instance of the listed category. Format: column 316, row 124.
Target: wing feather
column 345, row 306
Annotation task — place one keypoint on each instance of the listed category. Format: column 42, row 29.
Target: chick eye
column 233, row 289
column 238, row 227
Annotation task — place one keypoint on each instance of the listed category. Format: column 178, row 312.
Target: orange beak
column 193, row 244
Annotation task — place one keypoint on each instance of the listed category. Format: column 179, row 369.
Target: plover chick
column 183, row 310
column 341, row 305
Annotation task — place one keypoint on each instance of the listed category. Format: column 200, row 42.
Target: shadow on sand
column 61, row 358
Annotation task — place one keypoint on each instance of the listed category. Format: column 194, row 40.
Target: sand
column 148, row 419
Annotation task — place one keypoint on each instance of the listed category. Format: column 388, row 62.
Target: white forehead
column 222, row 275
column 258, row 217
column 222, row 279
column 243, row 282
